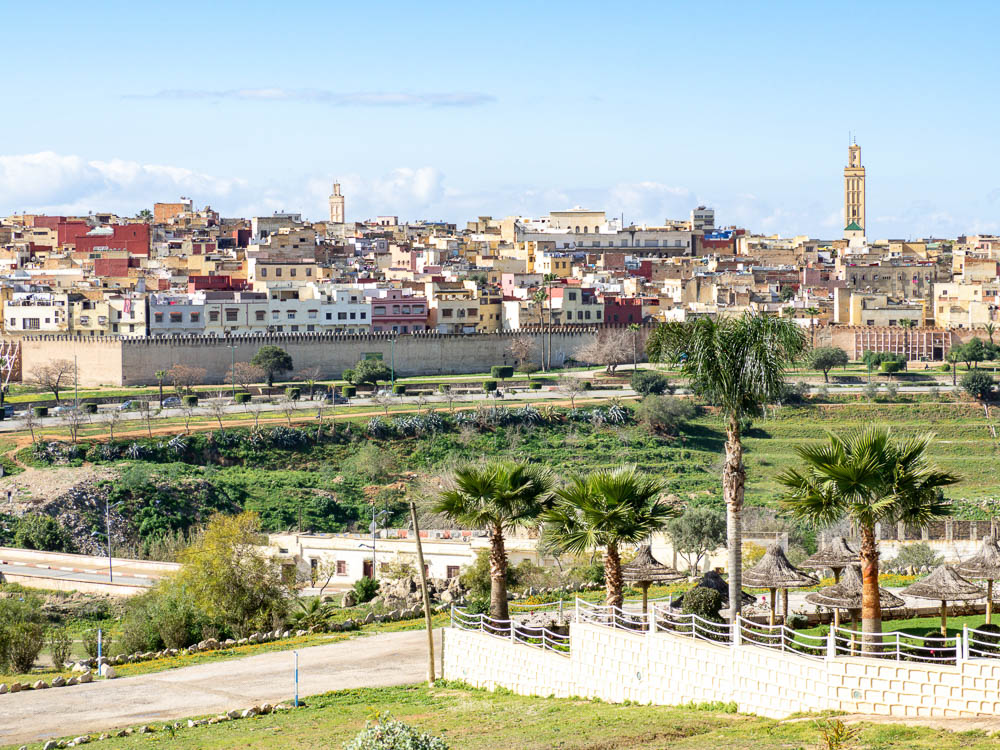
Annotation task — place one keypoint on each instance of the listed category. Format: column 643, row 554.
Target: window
column 275, row 314
column 362, row 316
column 313, row 314
column 341, row 567
column 213, row 315
column 263, row 273
column 277, row 271
column 176, row 317
column 341, row 316
column 295, row 329
column 472, row 312
column 395, row 309
column 353, row 316
column 232, row 314
column 451, row 571
column 572, row 296
column 446, row 313
column 32, row 324
column 310, row 328
column 158, row 317
column 291, row 314
column 291, row 272
column 379, row 311
column 329, row 316
column 260, row 315
column 309, row 272
column 195, row 317
column 418, row 308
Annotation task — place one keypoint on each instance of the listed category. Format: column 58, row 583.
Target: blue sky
column 453, row 110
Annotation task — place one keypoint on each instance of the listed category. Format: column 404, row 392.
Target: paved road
column 375, row 661
column 73, row 575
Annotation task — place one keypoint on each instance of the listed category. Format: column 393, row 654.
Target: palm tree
column 539, row 297
column 738, row 363
column 160, row 375
column 812, row 312
column 871, row 478
column 498, row 497
column 607, row 509
column 990, row 330
column 906, row 325
column 634, row 328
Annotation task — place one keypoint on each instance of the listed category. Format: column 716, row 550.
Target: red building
column 131, row 237
column 394, row 311
column 215, row 284
column 622, row 310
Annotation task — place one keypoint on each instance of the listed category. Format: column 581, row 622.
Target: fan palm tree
column 497, row 497
column 812, row 312
column 607, row 509
column 906, row 324
column 738, row 363
column 871, row 478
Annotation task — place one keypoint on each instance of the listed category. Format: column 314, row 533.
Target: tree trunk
column 498, row 575
column 733, row 481
column 871, row 609
column 613, row 576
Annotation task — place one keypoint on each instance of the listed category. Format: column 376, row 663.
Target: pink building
column 397, row 311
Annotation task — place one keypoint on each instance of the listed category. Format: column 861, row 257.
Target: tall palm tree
column 871, row 478
column 539, row 298
column 498, row 497
column 739, row 364
column 812, row 312
column 607, row 509
column 906, row 325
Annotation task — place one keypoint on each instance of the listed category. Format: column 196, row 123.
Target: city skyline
column 267, row 115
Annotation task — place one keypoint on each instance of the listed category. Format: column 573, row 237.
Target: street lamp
column 376, row 515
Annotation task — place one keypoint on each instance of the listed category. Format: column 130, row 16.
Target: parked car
column 335, row 398
column 171, row 402
column 128, row 405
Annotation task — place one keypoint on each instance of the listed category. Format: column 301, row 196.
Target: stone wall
column 666, row 669
column 133, row 361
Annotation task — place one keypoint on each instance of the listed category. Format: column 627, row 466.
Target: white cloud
column 649, row 202
column 332, row 98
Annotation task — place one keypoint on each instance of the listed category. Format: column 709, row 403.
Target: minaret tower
column 336, row 205
column 854, row 194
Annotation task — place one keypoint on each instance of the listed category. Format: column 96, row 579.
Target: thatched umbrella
column 847, row 595
column 836, row 556
column 985, row 566
column 773, row 572
column 945, row 585
column 646, row 570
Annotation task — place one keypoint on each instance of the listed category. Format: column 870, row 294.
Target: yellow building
column 854, row 194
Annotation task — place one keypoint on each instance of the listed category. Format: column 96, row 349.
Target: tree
column 230, row 579
column 826, row 358
column 812, row 312
column 218, row 410
column 310, row 375
column 605, row 510
column 273, row 360
column 868, row 477
column 954, row 356
column 610, row 348
column 498, row 497
column 906, row 324
column 635, row 328
column 990, row 331
column 370, row 371
column 522, row 349
column 571, row 387
column 325, row 572
column 54, row 376
column 185, row 377
column 739, row 364
column 160, row 376
column 145, row 216
column 645, row 382
column 245, row 374
column 696, row 533
column 979, row 384
column 972, row 352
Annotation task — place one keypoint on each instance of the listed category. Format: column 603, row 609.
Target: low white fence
column 542, row 638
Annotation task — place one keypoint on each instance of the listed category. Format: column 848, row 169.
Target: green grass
column 471, row 719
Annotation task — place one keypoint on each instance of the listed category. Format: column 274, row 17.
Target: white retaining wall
column 665, row 669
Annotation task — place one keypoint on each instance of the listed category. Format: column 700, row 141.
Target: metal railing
column 536, row 637
column 665, row 620
column 895, row 646
column 613, row 617
column 783, row 638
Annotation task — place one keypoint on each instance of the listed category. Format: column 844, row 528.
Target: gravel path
column 375, row 661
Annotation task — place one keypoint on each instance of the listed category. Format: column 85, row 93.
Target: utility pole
column 427, row 597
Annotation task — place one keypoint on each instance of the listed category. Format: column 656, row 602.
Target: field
column 477, row 720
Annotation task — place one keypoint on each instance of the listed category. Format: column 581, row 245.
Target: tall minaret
column 854, row 194
column 336, row 205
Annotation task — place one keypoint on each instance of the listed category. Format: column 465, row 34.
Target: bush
column 501, row 372
column 90, row 642
column 89, row 408
column 138, row 630
column 293, row 393
column 646, row 382
column 986, row 638
column 35, row 531
column 476, row 577
column 945, row 368
column 489, row 385
column 24, row 644
column 797, row 621
column 40, row 411
column 477, row 605
column 534, row 385
column 916, row 555
column 704, row 602
column 444, row 387
column 399, row 389
column 388, row 734
column 587, row 385
column 348, row 391
column 665, row 415
column 890, row 367
column 242, row 398
column 365, row 589
column 60, row 645
column 189, row 400
column 173, row 613
column 979, row 384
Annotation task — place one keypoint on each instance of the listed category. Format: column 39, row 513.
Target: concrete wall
column 117, row 361
column 667, row 669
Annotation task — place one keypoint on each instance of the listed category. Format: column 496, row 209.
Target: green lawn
column 477, row 720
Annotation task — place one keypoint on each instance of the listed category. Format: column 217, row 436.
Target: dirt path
column 375, row 661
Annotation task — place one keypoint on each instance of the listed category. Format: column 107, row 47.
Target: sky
column 456, row 110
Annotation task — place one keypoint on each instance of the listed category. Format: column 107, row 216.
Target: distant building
column 854, row 195
column 336, row 205
column 702, row 219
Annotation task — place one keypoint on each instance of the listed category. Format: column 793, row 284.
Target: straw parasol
column 945, row 585
column 985, row 566
column 847, row 595
column 646, row 570
column 773, row 572
column 836, row 556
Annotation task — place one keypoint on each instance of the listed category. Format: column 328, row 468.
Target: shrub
column 24, row 644
column 476, row 577
column 587, row 385
column 89, row 408
column 348, row 391
column 665, row 415
column 177, row 619
column 646, row 382
column 890, row 367
column 399, row 389
column 60, row 645
column 501, row 372
column 365, row 589
column 477, row 605
column 40, row 411
column 293, row 393
column 444, row 387
column 891, row 391
column 535, row 385
column 979, row 384
column 797, row 621
column 138, row 630
column 489, row 385
column 986, row 638
column 190, row 400
column 242, row 398
column 90, row 642
column 916, row 555
column 945, row 368
column 35, row 531
column 388, row 734
column 704, row 602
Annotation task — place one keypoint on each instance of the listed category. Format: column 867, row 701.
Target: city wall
column 666, row 669
column 134, row 361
